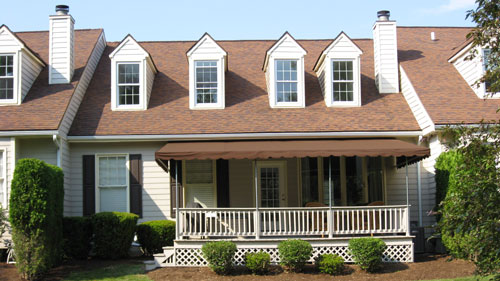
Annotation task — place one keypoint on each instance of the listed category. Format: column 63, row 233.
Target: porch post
column 176, row 202
column 256, row 215
column 407, row 200
column 330, row 212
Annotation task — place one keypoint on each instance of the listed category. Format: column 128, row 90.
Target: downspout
column 419, row 190
column 57, row 142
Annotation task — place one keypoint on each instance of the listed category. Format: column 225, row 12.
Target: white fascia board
column 460, row 53
column 132, row 138
column 29, row 133
column 204, row 39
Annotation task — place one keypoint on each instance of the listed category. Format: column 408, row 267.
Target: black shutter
column 222, row 183
column 136, row 184
column 88, row 185
column 172, row 184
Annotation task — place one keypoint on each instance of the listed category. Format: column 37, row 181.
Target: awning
column 264, row 149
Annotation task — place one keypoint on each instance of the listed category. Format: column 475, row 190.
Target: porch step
column 165, row 259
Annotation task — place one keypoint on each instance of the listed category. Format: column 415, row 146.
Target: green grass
column 126, row 272
column 471, row 278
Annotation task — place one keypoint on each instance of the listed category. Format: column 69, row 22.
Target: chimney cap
column 383, row 15
column 62, row 9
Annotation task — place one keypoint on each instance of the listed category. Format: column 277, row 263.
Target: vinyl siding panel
column 30, row 71
column 471, row 71
column 150, row 77
column 241, row 190
column 39, row 148
column 396, row 186
column 155, row 193
column 386, row 57
column 61, row 54
column 8, row 146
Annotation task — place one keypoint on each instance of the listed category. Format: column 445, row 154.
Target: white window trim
column 486, row 94
column 356, row 86
column 114, row 85
column 220, row 104
column 16, row 96
column 300, row 103
column 4, row 179
column 97, row 188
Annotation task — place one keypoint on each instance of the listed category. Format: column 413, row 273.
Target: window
column 128, row 84
column 334, row 163
column 112, row 182
column 6, row 77
column 199, row 182
column 286, row 81
column 309, row 175
column 3, row 185
column 486, row 66
column 206, row 81
column 343, row 80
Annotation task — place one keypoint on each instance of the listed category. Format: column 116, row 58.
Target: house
column 254, row 140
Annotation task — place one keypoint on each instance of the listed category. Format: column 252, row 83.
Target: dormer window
column 133, row 72
column 6, row 77
column 128, row 84
column 486, row 66
column 206, row 82
column 284, row 68
column 339, row 75
column 207, row 67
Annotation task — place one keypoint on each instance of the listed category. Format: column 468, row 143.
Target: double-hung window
column 486, row 66
column 3, row 184
column 286, row 81
column 128, row 84
column 112, row 182
column 6, row 77
column 343, row 80
column 206, row 82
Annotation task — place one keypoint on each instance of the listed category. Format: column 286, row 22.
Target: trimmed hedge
column 36, row 212
column 258, row 263
column 113, row 234
column 367, row 252
column 219, row 255
column 330, row 264
column 446, row 168
column 294, row 254
column 77, row 234
column 154, row 235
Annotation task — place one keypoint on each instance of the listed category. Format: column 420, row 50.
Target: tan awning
column 293, row 148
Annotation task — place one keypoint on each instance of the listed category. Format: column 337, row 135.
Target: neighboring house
column 255, row 132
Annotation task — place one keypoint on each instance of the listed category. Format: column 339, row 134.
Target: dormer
column 207, row 67
column 19, row 67
column 339, row 72
column 284, row 69
column 132, row 76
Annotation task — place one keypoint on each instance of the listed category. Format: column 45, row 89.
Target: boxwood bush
column 330, row 264
column 258, row 263
column 36, row 211
column 294, row 254
column 154, row 235
column 113, row 234
column 77, row 233
column 367, row 253
column 219, row 256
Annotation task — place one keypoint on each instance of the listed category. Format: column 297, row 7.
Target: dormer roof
column 341, row 44
column 20, row 44
column 285, row 41
column 206, row 40
column 129, row 42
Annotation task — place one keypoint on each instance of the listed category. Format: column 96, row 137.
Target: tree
column 485, row 35
column 3, row 221
column 470, row 226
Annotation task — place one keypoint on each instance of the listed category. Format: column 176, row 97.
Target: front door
column 271, row 181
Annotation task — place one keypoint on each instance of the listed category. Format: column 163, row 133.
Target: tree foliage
column 485, row 35
column 470, row 226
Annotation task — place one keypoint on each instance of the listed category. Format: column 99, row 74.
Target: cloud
column 455, row 5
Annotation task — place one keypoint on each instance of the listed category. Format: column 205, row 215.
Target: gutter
column 239, row 136
column 29, row 133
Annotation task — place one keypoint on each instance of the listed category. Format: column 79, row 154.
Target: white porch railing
column 340, row 221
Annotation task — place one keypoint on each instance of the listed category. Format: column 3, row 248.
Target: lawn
column 125, row 272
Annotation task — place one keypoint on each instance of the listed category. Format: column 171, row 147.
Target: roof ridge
column 40, row 31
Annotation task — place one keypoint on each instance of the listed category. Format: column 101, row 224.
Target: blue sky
column 149, row 20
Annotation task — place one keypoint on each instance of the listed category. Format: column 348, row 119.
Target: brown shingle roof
column 44, row 106
column 247, row 105
column 444, row 93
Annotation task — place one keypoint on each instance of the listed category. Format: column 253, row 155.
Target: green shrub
column 77, row 233
column 367, row 252
column 113, row 234
column 258, row 263
column 154, row 235
column 446, row 168
column 219, row 255
column 3, row 220
column 330, row 264
column 294, row 254
column 36, row 211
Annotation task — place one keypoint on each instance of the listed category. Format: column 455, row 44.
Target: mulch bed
column 426, row 267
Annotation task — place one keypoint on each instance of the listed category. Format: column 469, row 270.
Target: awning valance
column 263, row 149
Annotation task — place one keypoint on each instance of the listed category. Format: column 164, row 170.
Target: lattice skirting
column 194, row 257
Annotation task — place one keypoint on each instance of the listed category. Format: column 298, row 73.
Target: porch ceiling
column 264, row 149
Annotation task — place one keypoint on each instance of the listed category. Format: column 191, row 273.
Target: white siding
column 396, row 186
column 241, row 190
column 386, row 56
column 471, row 71
column 416, row 106
column 150, row 78
column 39, row 148
column 7, row 42
column 155, row 193
column 30, row 71
column 8, row 146
column 61, row 49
